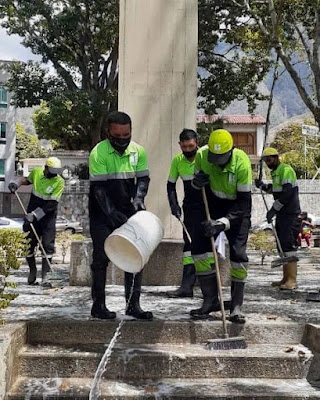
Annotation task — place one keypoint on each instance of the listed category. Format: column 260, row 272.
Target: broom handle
column 273, row 227
column 33, row 230
column 224, row 321
column 185, row 230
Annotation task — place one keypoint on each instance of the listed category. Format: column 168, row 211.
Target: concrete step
column 173, row 389
column 157, row 361
column 159, row 331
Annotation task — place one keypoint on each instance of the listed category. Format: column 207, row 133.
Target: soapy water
column 95, row 387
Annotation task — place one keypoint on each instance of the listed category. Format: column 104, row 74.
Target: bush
column 13, row 245
column 264, row 242
column 64, row 240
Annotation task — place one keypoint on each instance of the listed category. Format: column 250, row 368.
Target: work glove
column 138, row 204
column 213, row 228
column 29, row 218
column 270, row 214
column 258, row 183
column 13, row 187
column 176, row 210
column 200, row 180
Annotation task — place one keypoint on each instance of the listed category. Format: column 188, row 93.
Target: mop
column 225, row 343
column 50, row 276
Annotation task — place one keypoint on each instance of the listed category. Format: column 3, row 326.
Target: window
column 3, row 97
column 3, row 130
column 2, row 163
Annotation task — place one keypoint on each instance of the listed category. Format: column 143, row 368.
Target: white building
column 7, row 132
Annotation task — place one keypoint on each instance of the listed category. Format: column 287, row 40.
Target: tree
column 28, row 145
column 232, row 61
column 289, row 142
column 291, row 28
column 80, row 39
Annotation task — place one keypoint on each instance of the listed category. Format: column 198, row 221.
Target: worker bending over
column 47, row 188
column 182, row 166
column 225, row 172
column 286, row 208
column 119, row 181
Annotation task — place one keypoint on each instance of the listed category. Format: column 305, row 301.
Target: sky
column 12, row 49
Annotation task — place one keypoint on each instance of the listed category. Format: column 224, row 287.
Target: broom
column 226, row 343
column 51, row 275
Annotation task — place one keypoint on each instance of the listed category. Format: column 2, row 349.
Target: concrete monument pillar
column 158, row 85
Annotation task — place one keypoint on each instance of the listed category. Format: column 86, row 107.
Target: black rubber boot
column 45, row 269
column 133, row 308
column 32, row 277
column 99, row 309
column 237, row 294
column 188, row 281
column 208, row 286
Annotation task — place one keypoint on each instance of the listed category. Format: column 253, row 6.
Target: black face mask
column 119, row 144
column 190, row 154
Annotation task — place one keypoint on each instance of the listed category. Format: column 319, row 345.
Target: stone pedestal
column 158, row 86
column 163, row 269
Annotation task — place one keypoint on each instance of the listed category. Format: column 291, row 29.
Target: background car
column 10, row 223
column 63, row 224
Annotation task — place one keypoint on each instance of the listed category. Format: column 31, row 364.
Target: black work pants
column 288, row 228
column 46, row 230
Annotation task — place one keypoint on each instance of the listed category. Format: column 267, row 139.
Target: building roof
column 233, row 119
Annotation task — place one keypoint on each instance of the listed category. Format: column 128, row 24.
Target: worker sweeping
column 182, row 166
column 286, row 209
column 225, row 172
column 119, row 181
column 47, row 188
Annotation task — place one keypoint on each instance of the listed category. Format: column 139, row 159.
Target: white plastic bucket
column 130, row 246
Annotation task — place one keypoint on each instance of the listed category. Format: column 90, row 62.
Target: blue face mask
column 119, row 144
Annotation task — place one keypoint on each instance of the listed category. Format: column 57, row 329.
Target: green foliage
column 244, row 36
column 64, row 240
column 80, row 39
column 13, row 245
column 262, row 241
column 289, row 142
column 28, row 145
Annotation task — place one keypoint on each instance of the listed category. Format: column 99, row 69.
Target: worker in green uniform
column 182, row 166
column 225, row 172
column 286, row 208
column 47, row 188
column 119, row 181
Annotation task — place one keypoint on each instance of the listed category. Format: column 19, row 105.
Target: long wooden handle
column 224, row 320
column 33, row 230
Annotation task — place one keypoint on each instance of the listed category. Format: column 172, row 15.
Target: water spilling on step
column 95, row 387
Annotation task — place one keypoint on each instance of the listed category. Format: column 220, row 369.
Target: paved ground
column 261, row 300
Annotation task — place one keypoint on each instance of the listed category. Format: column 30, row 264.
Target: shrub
column 264, row 242
column 13, row 245
column 64, row 240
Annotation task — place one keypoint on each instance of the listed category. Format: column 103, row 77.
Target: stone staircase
column 162, row 360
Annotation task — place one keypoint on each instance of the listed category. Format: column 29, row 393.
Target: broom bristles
column 227, row 343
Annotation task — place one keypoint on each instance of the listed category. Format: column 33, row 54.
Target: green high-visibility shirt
column 183, row 168
column 230, row 186
column 116, row 173
column 235, row 177
column 105, row 163
column 46, row 188
column 285, row 189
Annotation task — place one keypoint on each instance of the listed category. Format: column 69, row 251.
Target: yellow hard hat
column 54, row 165
column 270, row 151
column 220, row 146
